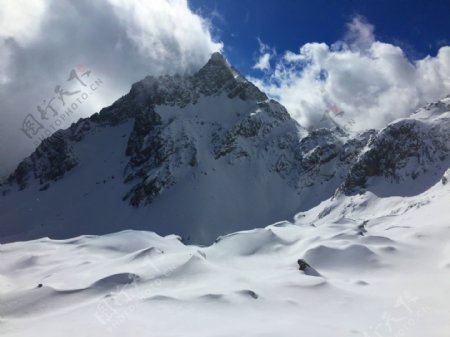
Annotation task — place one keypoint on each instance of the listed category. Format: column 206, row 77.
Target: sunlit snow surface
column 384, row 266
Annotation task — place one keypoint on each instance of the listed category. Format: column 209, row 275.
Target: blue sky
column 375, row 61
column 419, row 27
column 365, row 58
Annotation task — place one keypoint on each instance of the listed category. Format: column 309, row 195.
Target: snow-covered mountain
column 198, row 155
column 378, row 266
column 209, row 154
column 413, row 153
column 204, row 155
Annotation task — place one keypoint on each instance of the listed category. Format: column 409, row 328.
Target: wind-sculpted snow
column 368, row 261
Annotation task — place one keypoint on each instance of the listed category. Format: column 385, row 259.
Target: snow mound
column 386, row 255
column 353, row 256
column 251, row 242
column 115, row 280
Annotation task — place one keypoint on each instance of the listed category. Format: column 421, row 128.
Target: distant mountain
column 407, row 157
column 205, row 155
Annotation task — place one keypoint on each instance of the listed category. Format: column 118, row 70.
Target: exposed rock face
column 327, row 154
column 405, row 150
column 162, row 150
column 215, row 78
column 151, row 152
column 49, row 162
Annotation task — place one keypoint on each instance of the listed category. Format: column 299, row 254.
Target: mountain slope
column 407, row 157
column 198, row 155
column 208, row 154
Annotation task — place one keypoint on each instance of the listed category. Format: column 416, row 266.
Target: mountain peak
column 217, row 57
column 218, row 75
column 217, row 64
column 217, row 60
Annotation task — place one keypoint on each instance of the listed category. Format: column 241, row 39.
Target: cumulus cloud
column 370, row 81
column 42, row 41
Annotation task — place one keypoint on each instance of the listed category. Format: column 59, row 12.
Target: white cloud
column 360, row 34
column 263, row 62
column 266, row 54
column 20, row 19
column 121, row 41
column 371, row 81
column 19, row 24
column 166, row 32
